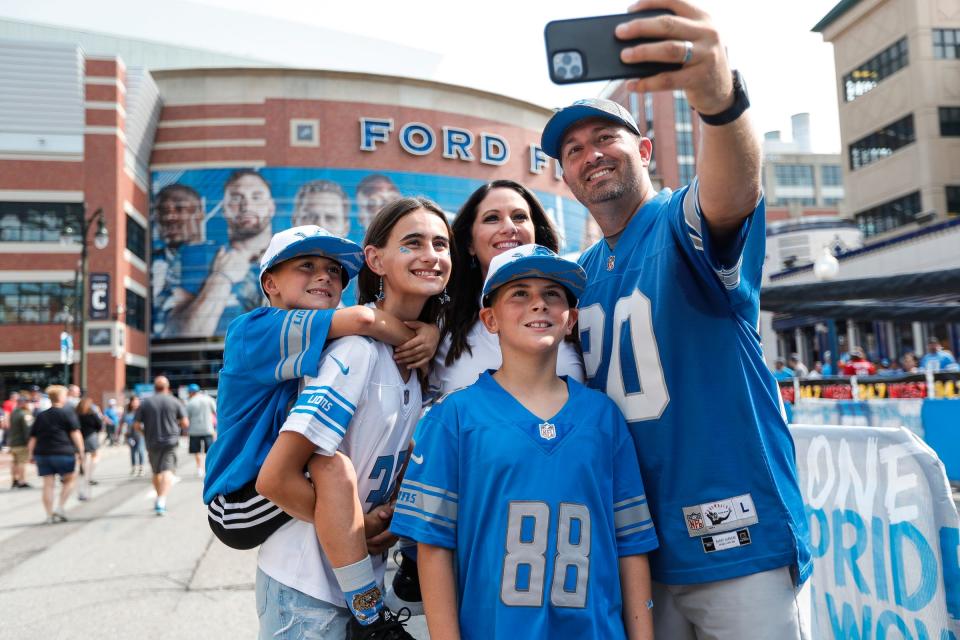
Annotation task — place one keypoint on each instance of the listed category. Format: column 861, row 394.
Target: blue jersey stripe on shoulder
column 333, row 393
column 304, row 343
column 283, row 347
column 635, row 528
column 331, row 413
column 440, row 492
column 325, row 421
column 321, row 405
column 629, row 502
column 629, row 517
column 423, row 515
column 327, row 398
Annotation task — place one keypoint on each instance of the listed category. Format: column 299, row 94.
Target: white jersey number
column 528, row 557
column 634, row 311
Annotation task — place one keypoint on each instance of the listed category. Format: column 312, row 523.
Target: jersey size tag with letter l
column 720, row 515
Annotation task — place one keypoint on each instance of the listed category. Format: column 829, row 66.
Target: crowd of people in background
column 62, row 431
column 856, row 363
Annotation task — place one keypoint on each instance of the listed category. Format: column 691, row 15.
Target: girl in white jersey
column 499, row 216
column 358, row 414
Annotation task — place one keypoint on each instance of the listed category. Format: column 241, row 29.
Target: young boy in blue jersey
column 266, row 353
column 524, row 491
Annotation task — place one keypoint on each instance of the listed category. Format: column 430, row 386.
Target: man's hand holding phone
column 705, row 77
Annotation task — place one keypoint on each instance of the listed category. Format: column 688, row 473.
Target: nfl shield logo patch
column 548, row 431
column 611, row 263
column 695, row 521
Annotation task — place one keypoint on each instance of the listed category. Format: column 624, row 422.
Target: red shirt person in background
column 858, row 365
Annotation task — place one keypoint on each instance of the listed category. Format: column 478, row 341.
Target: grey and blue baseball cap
column 311, row 240
column 565, row 118
column 533, row 261
column 193, row 387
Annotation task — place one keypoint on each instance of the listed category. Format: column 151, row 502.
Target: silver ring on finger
column 688, row 52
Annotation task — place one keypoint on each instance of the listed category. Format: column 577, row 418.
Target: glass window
column 868, row 75
column 35, row 302
column 831, row 176
column 136, row 310
column 949, row 121
column 946, row 43
column 794, row 175
column 889, row 215
column 136, row 238
column 135, row 375
column 37, row 221
column 882, row 143
column 953, row 200
column 803, row 202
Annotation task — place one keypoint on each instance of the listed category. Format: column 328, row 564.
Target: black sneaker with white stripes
column 390, row 626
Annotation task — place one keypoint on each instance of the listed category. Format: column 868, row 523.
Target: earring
column 380, row 294
column 444, row 296
column 473, row 262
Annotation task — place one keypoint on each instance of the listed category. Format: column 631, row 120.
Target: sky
column 495, row 46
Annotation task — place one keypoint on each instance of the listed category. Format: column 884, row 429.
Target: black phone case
column 599, row 49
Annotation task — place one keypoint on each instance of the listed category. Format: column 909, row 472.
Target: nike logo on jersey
column 344, row 370
column 417, row 459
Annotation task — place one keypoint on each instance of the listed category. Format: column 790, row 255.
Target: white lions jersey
column 358, row 405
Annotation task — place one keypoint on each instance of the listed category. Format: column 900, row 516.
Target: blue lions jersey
column 538, row 512
column 265, row 354
column 669, row 330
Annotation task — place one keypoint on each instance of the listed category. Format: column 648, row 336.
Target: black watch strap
column 741, row 102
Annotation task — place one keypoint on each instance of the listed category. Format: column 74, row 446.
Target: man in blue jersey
column 676, row 279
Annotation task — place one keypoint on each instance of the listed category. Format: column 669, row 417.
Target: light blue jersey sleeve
column 736, row 266
column 427, row 502
column 276, row 345
column 325, row 407
column 631, row 514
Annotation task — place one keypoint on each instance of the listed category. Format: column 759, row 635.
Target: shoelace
column 395, row 623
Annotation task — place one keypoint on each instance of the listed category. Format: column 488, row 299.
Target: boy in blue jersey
column 676, row 282
column 524, row 491
column 266, row 353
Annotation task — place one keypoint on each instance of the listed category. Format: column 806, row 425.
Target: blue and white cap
column 311, row 240
column 565, row 118
column 533, row 261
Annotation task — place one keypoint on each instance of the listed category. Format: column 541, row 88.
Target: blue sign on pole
column 66, row 348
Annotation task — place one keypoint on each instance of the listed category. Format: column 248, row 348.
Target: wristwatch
column 741, row 101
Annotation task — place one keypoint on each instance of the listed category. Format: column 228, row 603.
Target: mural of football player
column 373, row 192
column 323, row 203
column 219, row 284
column 178, row 213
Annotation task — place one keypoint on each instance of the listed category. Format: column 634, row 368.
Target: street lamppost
column 100, row 240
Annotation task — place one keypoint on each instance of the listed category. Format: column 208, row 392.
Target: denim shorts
column 55, row 465
column 288, row 614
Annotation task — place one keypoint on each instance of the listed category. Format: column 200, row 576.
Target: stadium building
column 190, row 170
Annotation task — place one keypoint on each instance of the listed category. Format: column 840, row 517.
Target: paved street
column 116, row 570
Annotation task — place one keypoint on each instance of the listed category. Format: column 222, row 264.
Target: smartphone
column 586, row 49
